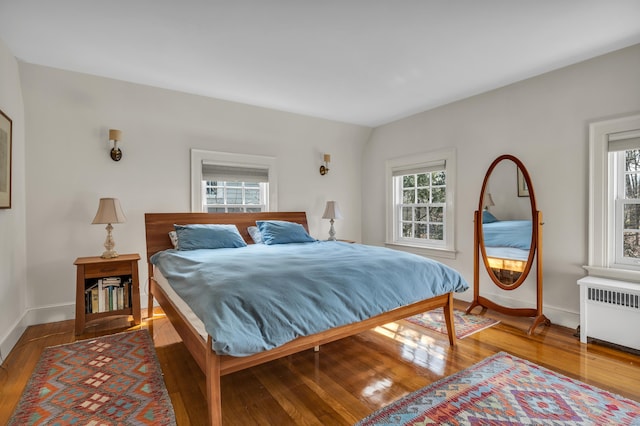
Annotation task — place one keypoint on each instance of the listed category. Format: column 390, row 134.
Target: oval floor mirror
column 508, row 236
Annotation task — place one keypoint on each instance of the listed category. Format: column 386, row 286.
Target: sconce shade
column 115, row 135
column 331, row 211
column 327, row 158
column 109, row 211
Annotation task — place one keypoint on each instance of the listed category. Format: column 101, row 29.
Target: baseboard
column 41, row 315
column 51, row 313
column 9, row 340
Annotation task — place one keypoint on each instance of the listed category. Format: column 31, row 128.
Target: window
column 626, row 199
column 229, row 196
column 420, row 201
column 614, row 198
column 224, row 182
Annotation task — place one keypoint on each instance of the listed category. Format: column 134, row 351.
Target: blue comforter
column 258, row 297
column 507, row 233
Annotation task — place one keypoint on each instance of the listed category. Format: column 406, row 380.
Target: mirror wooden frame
column 534, row 251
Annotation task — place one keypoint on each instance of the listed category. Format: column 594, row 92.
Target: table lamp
column 109, row 211
column 331, row 212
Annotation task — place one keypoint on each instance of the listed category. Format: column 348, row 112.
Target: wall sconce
column 115, row 136
column 324, row 169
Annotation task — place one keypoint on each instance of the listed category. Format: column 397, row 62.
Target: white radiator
column 610, row 311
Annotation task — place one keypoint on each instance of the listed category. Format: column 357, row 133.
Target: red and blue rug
column 110, row 380
column 465, row 324
column 506, row 390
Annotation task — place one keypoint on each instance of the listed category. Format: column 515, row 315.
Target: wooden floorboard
column 347, row 379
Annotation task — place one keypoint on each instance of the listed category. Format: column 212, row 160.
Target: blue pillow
column 487, row 217
column 193, row 237
column 283, row 232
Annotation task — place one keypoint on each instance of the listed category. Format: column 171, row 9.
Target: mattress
column 179, row 303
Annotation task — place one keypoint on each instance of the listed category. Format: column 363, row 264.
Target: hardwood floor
column 347, row 379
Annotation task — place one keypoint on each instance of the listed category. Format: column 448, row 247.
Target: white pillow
column 173, row 236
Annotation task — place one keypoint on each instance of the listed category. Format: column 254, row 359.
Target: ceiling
column 365, row 62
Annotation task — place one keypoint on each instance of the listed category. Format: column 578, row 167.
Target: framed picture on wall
column 523, row 189
column 5, row 161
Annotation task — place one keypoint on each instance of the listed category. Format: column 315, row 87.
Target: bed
column 196, row 332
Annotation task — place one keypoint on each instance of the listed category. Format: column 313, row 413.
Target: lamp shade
column 331, row 211
column 115, row 135
column 488, row 200
column 109, row 211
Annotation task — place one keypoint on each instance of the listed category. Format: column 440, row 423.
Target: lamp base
column 332, row 232
column 109, row 254
column 109, row 244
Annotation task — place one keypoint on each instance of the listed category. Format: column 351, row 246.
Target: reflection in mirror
column 506, row 223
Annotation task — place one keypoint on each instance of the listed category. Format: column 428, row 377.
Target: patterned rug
column 111, row 380
column 466, row 324
column 506, row 390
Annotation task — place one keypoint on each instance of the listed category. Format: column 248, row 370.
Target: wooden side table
column 97, row 294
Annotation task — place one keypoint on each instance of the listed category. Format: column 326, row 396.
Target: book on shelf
column 91, row 298
column 107, row 294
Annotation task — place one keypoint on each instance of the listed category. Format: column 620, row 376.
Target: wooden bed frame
column 214, row 366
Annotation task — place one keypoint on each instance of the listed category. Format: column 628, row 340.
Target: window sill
column 613, row 273
column 423, row 251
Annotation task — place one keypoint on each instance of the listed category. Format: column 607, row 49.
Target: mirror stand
column 484, row 303
column 508, row 243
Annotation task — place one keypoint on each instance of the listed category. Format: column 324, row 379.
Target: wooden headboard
column 158, row 225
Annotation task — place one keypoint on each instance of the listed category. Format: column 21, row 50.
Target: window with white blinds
column 624, row 160
column 227, row 182
column 420, row 201
column 614, row 198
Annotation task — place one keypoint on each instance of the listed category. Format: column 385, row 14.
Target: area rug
column 110, row 380
column 465, row 324
column 506, row 390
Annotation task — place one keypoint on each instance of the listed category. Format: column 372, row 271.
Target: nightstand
column 106, row 288
column 347, row 241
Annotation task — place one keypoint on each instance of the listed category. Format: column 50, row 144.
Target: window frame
column 412, row 164
column 199, row 156
column 602, row 207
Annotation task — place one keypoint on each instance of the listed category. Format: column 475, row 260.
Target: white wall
column 13, row 282
column 543, row 121
column 69, row 168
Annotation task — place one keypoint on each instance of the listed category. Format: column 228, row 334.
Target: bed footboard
column 217, row 366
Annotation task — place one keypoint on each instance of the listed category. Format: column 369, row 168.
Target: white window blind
column 218, row 172
column 622, row 141
column 419, row 169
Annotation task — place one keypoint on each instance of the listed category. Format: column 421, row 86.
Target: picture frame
column 523, row 188
column 6, row 134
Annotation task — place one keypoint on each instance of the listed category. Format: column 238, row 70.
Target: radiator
column 610, row 311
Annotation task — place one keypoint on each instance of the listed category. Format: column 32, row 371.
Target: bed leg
column 448, row 317
column 214, row 402
column 150, row 304
column 150, row 293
